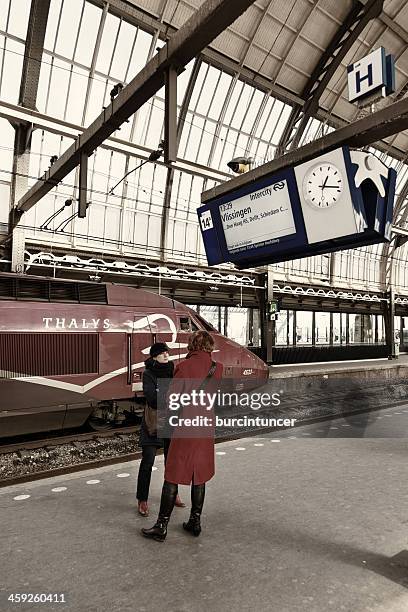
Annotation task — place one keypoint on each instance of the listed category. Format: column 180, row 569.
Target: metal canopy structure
column 256, row 83
column 376, row 126
column 211, row 18
column 344, row 38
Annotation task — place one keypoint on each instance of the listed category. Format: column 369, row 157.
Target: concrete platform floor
column 331, row 367
column 306, row 524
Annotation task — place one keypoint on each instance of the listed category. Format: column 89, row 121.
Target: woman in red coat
column 189, row 460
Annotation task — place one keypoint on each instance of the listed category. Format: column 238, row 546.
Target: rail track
column 73, row 448
column 23, row 445
column 127, row 435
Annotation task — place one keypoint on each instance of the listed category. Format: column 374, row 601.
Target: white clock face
column 323, row 185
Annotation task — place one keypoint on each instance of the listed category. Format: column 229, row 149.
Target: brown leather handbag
column 150, row 419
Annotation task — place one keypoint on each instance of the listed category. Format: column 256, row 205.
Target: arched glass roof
column 235, row 99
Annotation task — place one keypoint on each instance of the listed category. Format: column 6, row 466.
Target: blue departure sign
column 339, row 200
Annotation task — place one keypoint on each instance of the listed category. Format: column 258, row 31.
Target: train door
column 164, row 327
column 186, row 326
column 139, row 341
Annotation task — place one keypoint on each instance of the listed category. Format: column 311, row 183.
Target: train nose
column 253, row 366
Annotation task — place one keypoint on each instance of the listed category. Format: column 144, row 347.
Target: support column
column 267, row 326
column 17, row 253
column 83, row 186
column 170, row 116
column 19, row 186
column 37, row 26
column 389, row 323
column 250, row 335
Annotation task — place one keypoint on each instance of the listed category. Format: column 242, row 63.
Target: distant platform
column 342, row 367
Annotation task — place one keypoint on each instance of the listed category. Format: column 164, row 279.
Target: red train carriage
column 72, row 351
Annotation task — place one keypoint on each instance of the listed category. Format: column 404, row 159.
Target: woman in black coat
column 157, row 366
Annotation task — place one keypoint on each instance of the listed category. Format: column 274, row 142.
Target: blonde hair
column 201, row 341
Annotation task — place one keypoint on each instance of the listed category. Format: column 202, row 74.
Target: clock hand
column 332, row 187
column 324, row 184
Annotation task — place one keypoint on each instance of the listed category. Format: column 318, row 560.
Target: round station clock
column 323, row 185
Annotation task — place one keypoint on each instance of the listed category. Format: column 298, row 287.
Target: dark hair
column 158, row 348
column 201, row 341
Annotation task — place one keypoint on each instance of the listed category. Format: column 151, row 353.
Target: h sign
column 372, row 73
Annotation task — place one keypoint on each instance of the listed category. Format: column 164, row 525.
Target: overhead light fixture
column 115, row 91
column 239, row 165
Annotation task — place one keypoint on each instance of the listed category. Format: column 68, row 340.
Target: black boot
column 159, row 530
column 197, row 501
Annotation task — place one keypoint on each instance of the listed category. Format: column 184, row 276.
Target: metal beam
column 357, row 19
column 15, row 113
column 387, row 263
column 170, row 172
column 33, row 51
column 128, row 11
column 369, row 130
column 30, row 76
column 205, row 24
column 170, row 116
column 83, row 186
column 394, row 26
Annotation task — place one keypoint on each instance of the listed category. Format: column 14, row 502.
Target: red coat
column 192, row 459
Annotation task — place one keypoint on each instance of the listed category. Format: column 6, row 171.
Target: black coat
column 153, row 371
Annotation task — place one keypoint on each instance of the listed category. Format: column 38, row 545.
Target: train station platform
column 340, row 367
column 292, row 522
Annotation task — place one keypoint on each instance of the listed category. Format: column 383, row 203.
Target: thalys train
column 73, row 352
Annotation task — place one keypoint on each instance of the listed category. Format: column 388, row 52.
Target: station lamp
column 239, row 165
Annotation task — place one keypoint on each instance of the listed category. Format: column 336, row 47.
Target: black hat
column 157, row 348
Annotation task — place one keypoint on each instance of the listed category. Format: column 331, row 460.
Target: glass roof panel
column 252, row 110
column 225, row 117
column 4, row 11
column 108, row 40
column 233, row 102
column 68, row 28
column 74, row 106
column 223, row 82
column 58, row 88
column 6, row 154
column 18, row 17
column 199, row 86
column 12, row 64
column 123, row 51
column 243, row 106
column 52, row 25
column 140, row 53
column 88, row 32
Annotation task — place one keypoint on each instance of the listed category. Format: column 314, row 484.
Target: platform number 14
column 206, row 220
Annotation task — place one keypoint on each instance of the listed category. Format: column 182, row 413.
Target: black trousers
column 145, row 470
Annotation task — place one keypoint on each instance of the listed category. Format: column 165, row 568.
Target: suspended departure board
column 342, row 199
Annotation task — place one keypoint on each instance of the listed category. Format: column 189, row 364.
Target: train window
column 205, row 323
column 185, row 324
